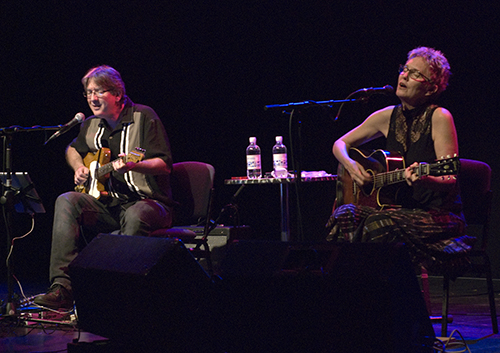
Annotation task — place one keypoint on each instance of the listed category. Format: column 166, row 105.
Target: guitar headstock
column 445, row 166
column 136, row 155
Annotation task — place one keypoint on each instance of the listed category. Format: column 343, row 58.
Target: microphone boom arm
column 78, row 119
column 309, row 103
column 367, row 92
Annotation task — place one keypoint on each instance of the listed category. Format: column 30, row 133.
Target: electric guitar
column 387, row 170
column 100, row 166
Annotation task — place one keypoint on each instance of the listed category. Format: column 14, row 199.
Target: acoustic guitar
column 100, row 166
column 387, row 171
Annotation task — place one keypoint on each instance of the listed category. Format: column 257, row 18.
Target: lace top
column 410, row 134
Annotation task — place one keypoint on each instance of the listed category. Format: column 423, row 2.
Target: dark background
column 209, row 67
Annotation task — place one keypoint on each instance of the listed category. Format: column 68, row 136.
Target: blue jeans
column 74, row 211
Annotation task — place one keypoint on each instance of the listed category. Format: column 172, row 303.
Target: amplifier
column 218, row 239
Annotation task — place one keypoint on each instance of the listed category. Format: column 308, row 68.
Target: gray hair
column 108, row 78
column 439, row 66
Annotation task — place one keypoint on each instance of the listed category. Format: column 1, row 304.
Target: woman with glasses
column 407, row 192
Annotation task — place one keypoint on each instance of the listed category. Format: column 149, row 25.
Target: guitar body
column 377, row 162
column 93, row 161
column 100, row 166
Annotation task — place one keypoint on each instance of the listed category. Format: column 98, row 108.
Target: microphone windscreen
column 80, row 117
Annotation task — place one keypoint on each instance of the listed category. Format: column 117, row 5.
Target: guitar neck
column 396, row 176
column 133, row 156
column 105, row 169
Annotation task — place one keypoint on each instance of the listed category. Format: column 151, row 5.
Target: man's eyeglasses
column 98, row 92
column 413, row 74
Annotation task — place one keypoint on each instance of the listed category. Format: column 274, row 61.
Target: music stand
column 23, row 191
column 26, row 199
column 19, row 195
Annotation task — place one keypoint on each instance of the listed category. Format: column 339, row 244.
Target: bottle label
column 279, row 160
column 253, row 161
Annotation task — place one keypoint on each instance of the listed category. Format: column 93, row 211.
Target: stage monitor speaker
column 317, row 297
column 143, row 292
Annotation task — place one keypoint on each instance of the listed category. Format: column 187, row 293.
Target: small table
column 284, row 184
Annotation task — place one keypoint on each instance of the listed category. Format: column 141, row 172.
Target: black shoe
column 57, row 297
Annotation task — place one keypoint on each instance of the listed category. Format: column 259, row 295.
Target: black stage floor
column 468, row 307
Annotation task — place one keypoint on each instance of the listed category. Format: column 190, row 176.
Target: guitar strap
column 99, row 153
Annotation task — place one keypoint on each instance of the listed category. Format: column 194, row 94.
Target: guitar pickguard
column 95, row 186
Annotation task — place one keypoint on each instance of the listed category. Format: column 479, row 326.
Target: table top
column 243, row 180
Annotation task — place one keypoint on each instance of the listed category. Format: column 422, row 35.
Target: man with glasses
column 423, row 211
column 136, row 197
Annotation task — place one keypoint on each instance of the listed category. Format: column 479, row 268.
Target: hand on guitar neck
column 385, row 169
column 124, row 163
column 99, row 167
column 411, row 174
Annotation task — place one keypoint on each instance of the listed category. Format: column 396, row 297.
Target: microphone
column 387, row 89
column 367, row 92
column 78, row 119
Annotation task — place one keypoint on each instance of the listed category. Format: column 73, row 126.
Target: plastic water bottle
column 254, row 168
column 280, row 165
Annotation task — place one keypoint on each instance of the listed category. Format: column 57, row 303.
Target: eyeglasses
column 98, row 92
column 413, row 74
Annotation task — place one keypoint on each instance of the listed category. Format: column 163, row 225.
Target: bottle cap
column 279, row 139
column 253, row 139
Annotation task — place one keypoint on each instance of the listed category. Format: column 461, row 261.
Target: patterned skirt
column 434, row 239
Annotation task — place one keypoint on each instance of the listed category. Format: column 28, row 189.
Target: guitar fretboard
column 396, row 176
column 134, row 156
column 105, row 169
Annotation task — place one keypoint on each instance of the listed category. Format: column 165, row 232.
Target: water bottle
column 254, row 168
column 280, row 166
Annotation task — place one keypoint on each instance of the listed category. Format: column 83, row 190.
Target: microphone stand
column 7, row 201
column 290, row 108
column 307, row 104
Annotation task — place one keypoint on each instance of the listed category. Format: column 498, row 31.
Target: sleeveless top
column 410, row 134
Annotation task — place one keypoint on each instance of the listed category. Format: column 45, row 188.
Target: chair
column 192, row 187
column 475, row 182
